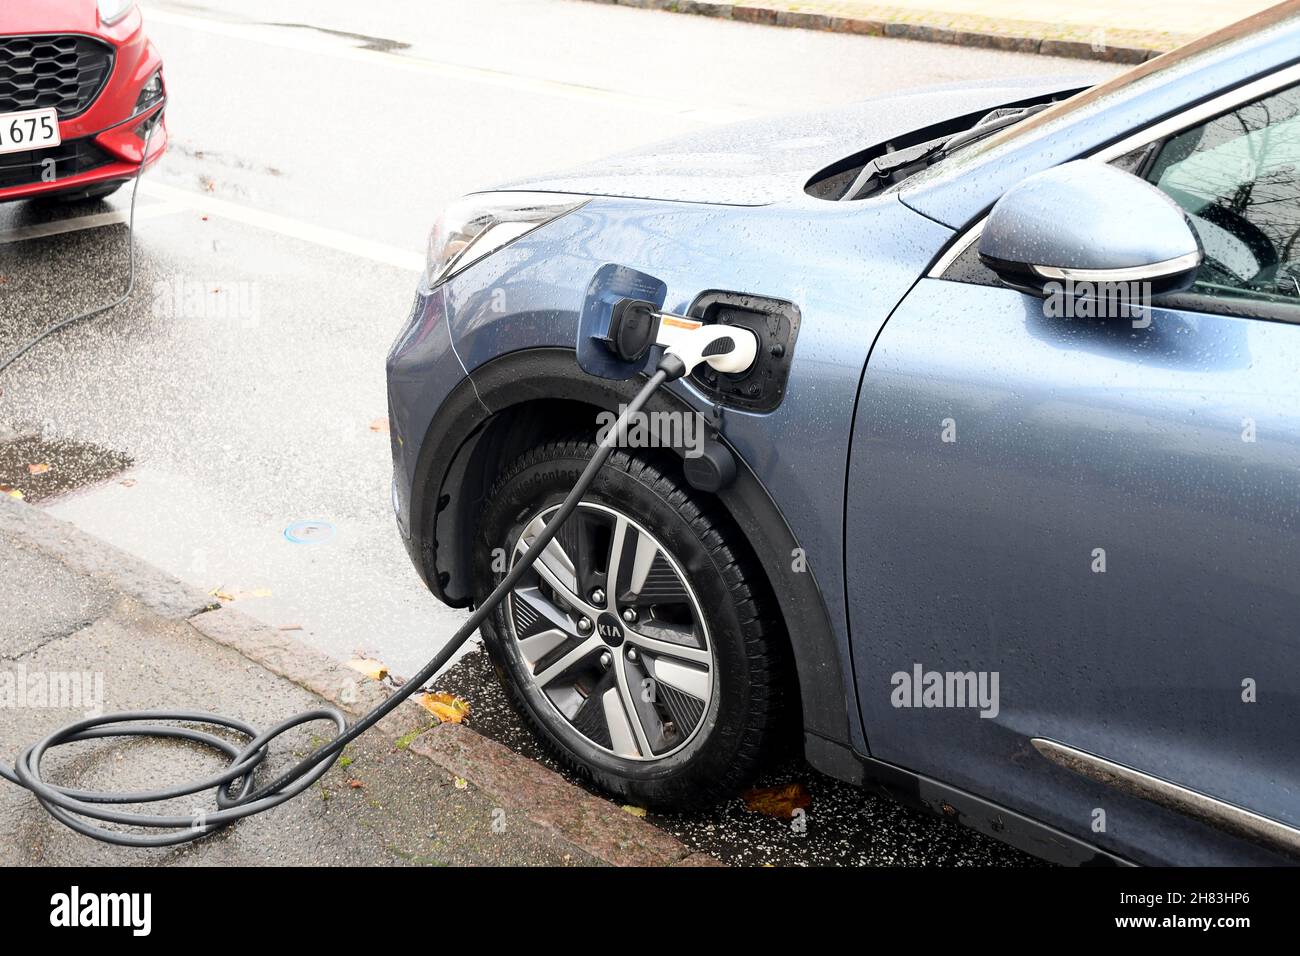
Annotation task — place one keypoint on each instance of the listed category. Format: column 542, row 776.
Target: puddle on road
column 44, row 468
column 363, row 41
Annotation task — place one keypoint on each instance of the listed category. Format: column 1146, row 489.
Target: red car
column 81, row 90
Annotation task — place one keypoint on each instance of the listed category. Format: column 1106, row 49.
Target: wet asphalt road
column 241, row 388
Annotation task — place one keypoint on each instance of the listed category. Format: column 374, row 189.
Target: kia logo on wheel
column 610, row 629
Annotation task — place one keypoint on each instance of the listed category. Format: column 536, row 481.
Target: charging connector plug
column 636, row 324
column 726, row 348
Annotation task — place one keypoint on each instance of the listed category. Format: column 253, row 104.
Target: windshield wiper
column 882, row 168
column 901, row 163
column 991, row 123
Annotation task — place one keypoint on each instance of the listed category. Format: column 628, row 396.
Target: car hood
column 771, row 159
column 49, row 16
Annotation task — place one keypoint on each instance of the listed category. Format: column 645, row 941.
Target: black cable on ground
column 237, row 794
column 31, row 343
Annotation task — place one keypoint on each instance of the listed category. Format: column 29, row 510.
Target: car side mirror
column 1085, row 224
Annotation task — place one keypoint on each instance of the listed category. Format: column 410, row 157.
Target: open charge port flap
column 776, row 323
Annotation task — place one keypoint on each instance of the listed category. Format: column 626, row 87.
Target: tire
column 697, row 744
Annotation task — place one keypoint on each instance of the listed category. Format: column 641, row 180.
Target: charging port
column 776, row 323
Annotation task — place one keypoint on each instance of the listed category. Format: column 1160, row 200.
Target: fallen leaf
column 635, row 811
column 11, row 492
column 38, row 469
column 448, row 708
column 780, row 802
column 380, row 425
column 375, row 670
column 461, row 783
column 355, row 784
column 222, row 593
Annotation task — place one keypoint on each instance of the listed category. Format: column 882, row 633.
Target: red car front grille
column 66, row 72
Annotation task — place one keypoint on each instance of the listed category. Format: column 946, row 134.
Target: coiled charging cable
column 237, row 795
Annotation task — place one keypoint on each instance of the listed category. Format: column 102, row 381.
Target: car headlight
column 110, row 11
column 479, row 225
column 150, row 94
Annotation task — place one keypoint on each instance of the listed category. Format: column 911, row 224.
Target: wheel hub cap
column 610, row 630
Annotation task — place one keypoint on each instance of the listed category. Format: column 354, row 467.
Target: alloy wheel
column 607, row 628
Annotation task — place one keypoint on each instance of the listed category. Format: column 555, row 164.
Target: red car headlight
column 151, row 94
column 110, row 11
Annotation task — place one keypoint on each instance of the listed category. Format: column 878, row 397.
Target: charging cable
column 57, row 327
column 237, row 793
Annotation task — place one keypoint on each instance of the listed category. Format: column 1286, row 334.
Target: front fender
column 446, row 497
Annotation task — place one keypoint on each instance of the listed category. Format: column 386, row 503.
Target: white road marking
column 43, row 229
column 324, row 45
column 320, row 235
column 174, row 200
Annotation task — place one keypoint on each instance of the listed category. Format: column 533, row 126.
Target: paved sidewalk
column 76, row 613
column 1116, row 30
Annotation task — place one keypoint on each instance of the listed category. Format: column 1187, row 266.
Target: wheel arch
column 515, row 400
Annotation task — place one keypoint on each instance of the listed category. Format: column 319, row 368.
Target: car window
column 1237, row 176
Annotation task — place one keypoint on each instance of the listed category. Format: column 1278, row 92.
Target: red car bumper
column 104, row 140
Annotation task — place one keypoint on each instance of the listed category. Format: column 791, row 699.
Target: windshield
column 1151, row 73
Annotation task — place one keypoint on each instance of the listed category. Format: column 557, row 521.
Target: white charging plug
column 726, row 348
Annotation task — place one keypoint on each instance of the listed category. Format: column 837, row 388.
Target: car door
column 1073, row 540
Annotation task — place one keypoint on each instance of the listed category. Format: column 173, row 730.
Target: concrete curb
column 999, row 35
column 591, row 825
column 548, row 800
column 87, row 555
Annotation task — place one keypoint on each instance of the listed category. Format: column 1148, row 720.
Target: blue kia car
column 1003, row 520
